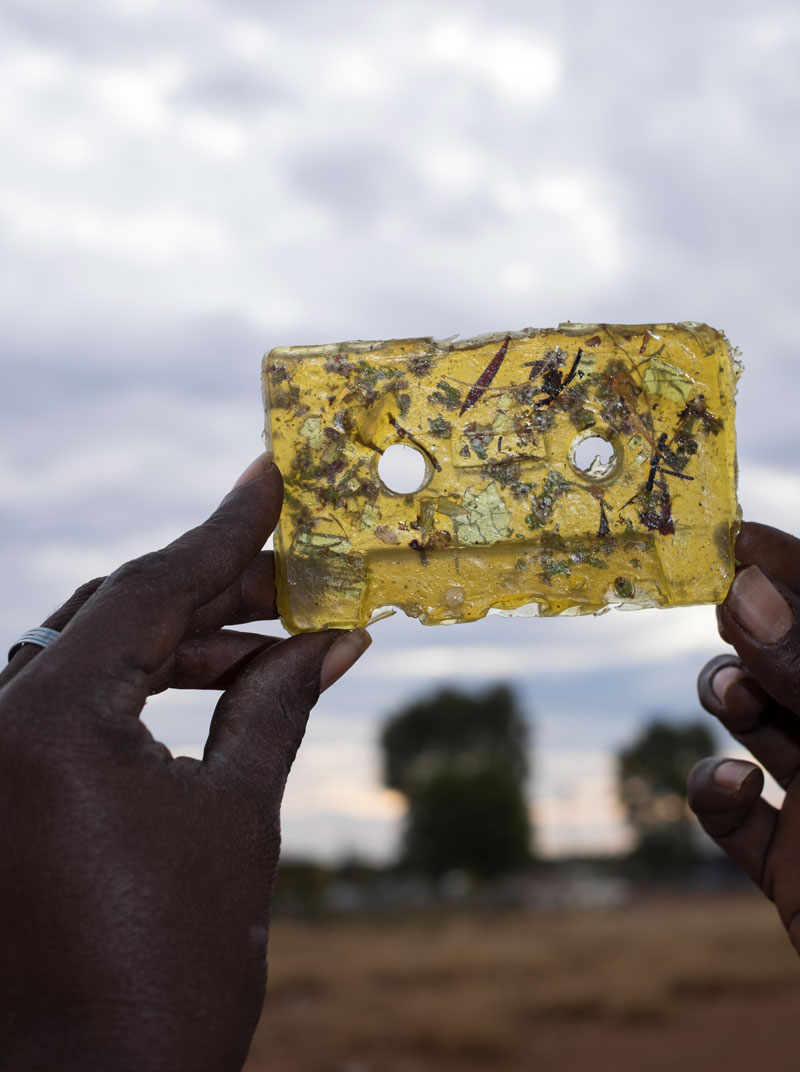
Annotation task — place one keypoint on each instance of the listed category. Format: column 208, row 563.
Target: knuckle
column 59, row 618
column 155, row 569
column 88, row 588
column 288, row 717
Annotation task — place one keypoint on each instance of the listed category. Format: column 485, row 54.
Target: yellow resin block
column 560, row 471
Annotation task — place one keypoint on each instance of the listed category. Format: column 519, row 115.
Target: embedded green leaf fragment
column 327, row 542
column 485, row 518
column 369, row 517
column 666, row 380
column 311, row 429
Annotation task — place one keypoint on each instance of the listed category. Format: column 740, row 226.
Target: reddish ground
column 722, row 1035
column 709, row 985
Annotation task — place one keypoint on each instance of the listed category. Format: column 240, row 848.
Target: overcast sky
column 187, row 185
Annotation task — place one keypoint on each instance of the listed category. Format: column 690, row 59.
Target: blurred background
column 187, row 185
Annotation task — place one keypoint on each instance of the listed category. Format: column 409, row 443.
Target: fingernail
column 759, row 607
column 256, row 468
column 341, row 656
column 732, row 774
column 723, row 679
column 746, row 704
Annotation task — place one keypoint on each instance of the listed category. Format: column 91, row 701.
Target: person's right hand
column 756, row 696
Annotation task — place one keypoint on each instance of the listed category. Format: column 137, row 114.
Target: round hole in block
column 594, row 457
column 404, row 469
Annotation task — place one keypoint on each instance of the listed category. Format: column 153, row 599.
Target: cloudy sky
column 186, row 185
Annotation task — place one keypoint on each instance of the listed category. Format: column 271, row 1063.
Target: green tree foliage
column 652, row 776
column 462, row 762
column 472, row 819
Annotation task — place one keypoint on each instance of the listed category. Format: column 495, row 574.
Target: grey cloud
column 229, row 88
column 87, row 28
column 360, row 183
column 100, row 359
column 677, row 125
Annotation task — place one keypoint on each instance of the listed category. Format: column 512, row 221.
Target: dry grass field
column 685, row 984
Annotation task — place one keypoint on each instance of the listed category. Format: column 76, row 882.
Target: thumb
column 260, row 720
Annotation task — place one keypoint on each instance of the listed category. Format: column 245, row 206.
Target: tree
column 652, row 776
column 461, row 761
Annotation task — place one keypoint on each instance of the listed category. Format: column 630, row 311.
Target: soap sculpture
column 558, row 471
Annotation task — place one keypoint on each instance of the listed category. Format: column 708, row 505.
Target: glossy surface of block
column 561, row 470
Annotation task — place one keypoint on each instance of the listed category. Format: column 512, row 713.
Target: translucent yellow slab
column 562, row 471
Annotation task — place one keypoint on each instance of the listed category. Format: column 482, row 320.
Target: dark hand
column 135, row 887
column 757, row 698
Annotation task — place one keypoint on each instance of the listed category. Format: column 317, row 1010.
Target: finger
column 138, row 616
column 761, row 617
column 765, row 728
column 260, row 721
column 251, row 598
column 776, row 552
column 725, row 795
column 210, row 662
column 57, row 620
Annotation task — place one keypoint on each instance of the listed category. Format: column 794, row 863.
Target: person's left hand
column 134, row 886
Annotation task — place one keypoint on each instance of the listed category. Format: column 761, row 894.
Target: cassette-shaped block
column 557, row 470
